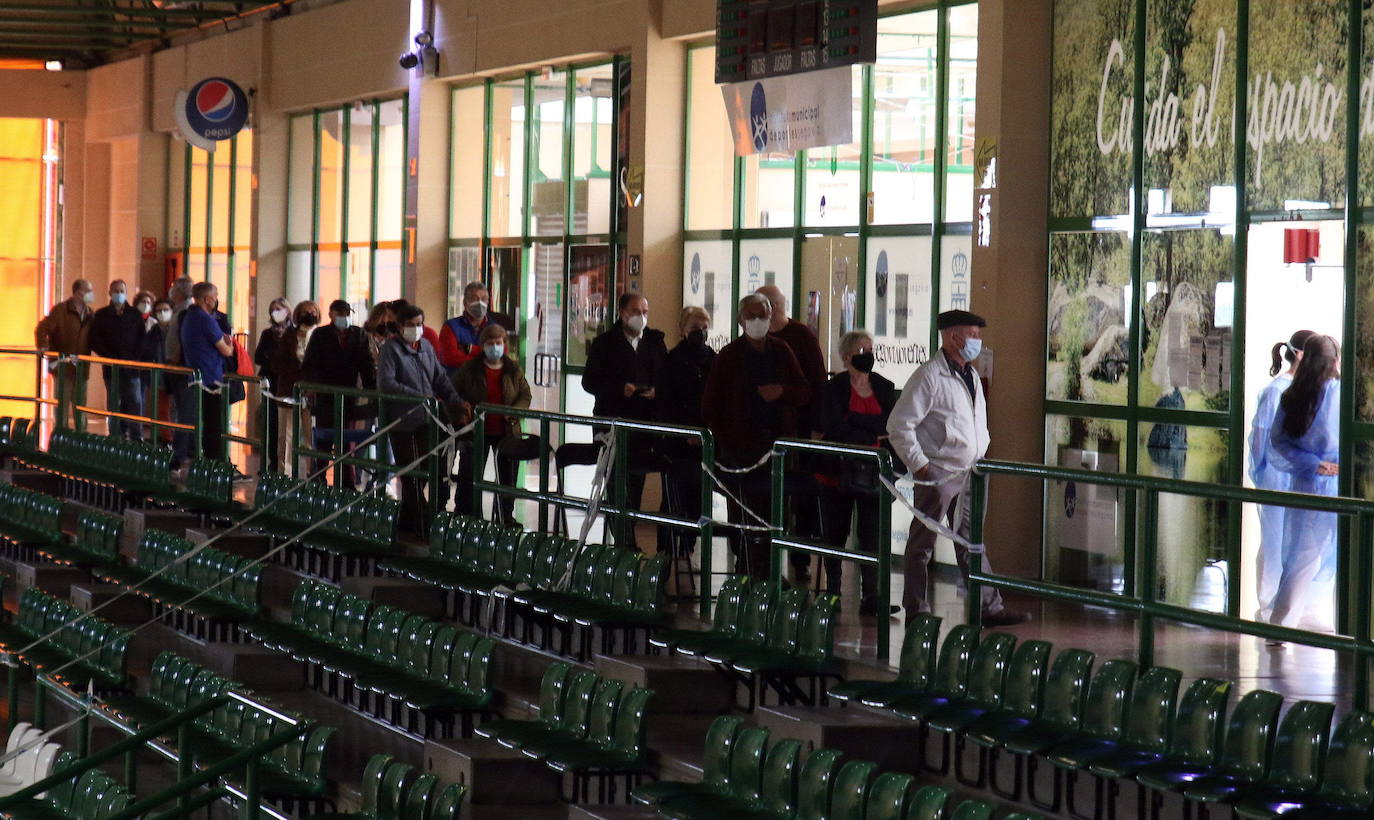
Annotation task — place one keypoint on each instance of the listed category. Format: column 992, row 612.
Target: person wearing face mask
column 750, row 400
column 279, row 322
column 939, row 428
column 854, row 409
column 286, row 371
column 496, row 378
column 338, row 355
column 622, row 372
column 115, row 334
column 205, row 345
column 67, row 330
column 679, row 390
column 408, row 366
column 459, row 338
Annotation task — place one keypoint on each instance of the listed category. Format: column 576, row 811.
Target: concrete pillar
column 1014, row 50
column 431, row 231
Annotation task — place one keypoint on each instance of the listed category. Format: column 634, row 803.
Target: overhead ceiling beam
column 40, row 37
column 91, row 11
column 15, row 24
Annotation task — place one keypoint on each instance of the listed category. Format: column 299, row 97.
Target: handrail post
column 624, row 530
column 154, row 431
column 337, row 449
column 1149, row 571
column 252, row 790
column 112, row 423
column 545, row 448
column 1364, row 570
column 884, row 545
column 199, row 433
column 226, row 417
column 974, row 590
column 777, row 517
column 12, row 691
column 707, row 529
column 83, row 374
column 437, row 466
column 83, row 726
column 479, row 463
column 184, row 761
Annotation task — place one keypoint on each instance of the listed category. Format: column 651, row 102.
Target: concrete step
column 412, row 596
column 863, row 734
column 620, row 812
column 138, row 520
column 681, row 685
column 235, row 541
column 115, row 606
column 54, row 579
column 493, row 773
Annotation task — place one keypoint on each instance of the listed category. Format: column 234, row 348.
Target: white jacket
column 936, row 423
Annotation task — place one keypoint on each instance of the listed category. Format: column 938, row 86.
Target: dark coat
column 682, row 382
column 266, row 351
column 844, row 427
column 116, row 335
column 807, row 348
column 470, row 381
column 612, row 363
column 727, row 403
column 345, row 362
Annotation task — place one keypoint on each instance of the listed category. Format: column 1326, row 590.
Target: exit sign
column 771, row 38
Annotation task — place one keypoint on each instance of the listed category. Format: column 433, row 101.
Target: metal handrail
column 618, row 511
column 882, row 559
column 1141, row 600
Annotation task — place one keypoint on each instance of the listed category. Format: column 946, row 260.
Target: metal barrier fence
column 1140, row 599
column 881, row 559
column 620, row 515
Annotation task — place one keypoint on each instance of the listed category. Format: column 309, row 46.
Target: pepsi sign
column 214, row 109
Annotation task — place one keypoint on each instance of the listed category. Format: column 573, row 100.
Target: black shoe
column 1005, row 617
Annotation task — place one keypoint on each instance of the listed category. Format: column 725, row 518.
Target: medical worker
column 1265, row 476
column 1305, row 438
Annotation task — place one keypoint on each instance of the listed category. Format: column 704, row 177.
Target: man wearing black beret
column 940, row 429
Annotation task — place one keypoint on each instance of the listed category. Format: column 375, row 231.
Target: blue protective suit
column 1266, row 476
column 1309, row 536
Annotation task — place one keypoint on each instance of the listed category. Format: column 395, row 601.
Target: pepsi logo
column 215, row 101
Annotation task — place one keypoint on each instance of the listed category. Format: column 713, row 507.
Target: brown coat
column 66, row 329
column 286, row 362
column 730, row 401
column 470, row 381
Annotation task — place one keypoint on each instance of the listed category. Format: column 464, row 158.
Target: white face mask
column 279, row 315
column 494, row 352
column 636, row 323
column 971, row 349
column 341, row 322
column 756, row 328
column 412, row 334
column 88, row 297
column 164, row 316
column 144, row 308
column 119, row 297
column 477, row 310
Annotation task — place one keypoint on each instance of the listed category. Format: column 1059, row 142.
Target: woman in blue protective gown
column 1305, row 438
column 1265, row 476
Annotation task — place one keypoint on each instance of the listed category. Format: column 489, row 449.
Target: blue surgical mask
column 118, row 298
column 494, row 352
column 341, row 322
column 971, row 349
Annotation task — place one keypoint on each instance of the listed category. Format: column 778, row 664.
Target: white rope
column 764, row 459
column 214, row 391
column 930, row 523
column 764, row 524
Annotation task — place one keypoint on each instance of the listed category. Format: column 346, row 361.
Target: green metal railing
column 620, row 515
column 387, row 407
column 255, row 404
column 249, row 760
column 881, row 559
column 1140, row 597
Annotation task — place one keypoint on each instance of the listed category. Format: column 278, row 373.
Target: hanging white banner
column 786, row 114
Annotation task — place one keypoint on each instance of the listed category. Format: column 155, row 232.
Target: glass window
column 832, row 173
column 904, row 86
column 1192, row 531
column 301, row 179
column 358, row 248
column 216, row 218
column 897, row 299
column 548, row 208
column 707, row 282
column 197, row 226
column 469, row 161
column 1089, row 309
column 710, row 151
column 1085, row 524
column 391, row 172
column 507, row 134
column 589, row 298
column 770, row 190
column 329, row 205
column 963, row 82
column 593, row 139
column 765, row 262
column 829, row 290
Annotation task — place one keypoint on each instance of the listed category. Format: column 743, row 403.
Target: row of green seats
column 758, row 635
column 587, row 726
column 210, row 585
column 294, row 770
column 18, row 436
column 392, row 790
column 411, row 671
column 95, row 541
column 88, row 650
column 131, row 466
column 743, row 776
column 209, row 487
column 29, row 517
column 288, row 506
column 92, row 796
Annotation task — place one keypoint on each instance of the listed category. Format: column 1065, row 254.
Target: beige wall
column 57, row 95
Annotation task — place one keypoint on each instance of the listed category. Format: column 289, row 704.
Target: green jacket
column 470, row 381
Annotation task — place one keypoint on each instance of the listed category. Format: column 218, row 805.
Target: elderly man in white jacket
column 939, row 427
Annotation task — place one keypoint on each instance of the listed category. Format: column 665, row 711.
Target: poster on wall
column 786, row 114
column 589, row 279
column 898, row 303
column 766, row 262
column 708, row 282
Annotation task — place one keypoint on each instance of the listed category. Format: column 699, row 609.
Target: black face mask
column 309, row 320
column 863, row 362
column 696, row 338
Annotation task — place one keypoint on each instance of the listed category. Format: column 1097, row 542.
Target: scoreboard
column 771, row 38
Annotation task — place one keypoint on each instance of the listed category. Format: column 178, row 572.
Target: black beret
column 955, row 318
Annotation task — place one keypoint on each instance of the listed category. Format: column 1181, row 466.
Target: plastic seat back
column 779, row 797
column 887, row 798
column 951, row 672
column 1151, row 716
column 1026, row 678
column 392, row 799
column 729, row 604
column 420, row 796
column 816, row 642
column 601, row 719
column 1066, row 689
column 1300, row 747
column 449, row 804
column 755, row 615
column 916, row 663
column 1104, row 714
column 814, row 785
column 928, row 803
column 648, row 584
column 1249, row 742
column 973, row 810
column 987, row 676
column 628, row 735
column 784, row 627
column 1197, row 731
column 551, row 689
column 1348, row 779
column 851, row 789
column 371, row 787
column 577, row 703
column 720, row 743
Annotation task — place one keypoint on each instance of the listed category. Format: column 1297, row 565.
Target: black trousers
column 407, row 446
column 837, row 509
column 506, row 471
column 212, row 424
